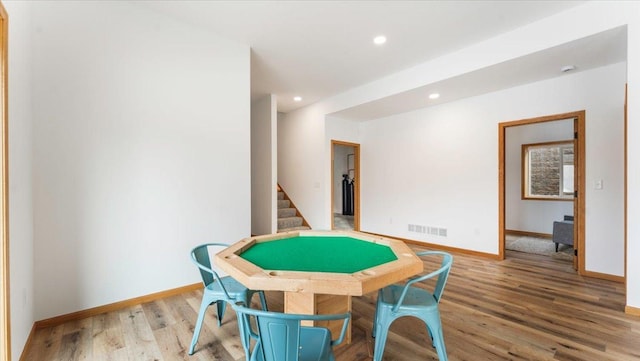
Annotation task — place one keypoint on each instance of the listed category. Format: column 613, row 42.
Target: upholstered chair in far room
column 563, row 232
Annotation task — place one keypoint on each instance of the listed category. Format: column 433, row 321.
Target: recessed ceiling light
column 297, row 99
column 379, row 40
column 434, row 96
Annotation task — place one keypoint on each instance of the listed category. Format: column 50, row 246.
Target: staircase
column 289, row 219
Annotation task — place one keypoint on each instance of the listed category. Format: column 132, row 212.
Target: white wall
column 432, row 168
column 303, row 171
column 633, row 159
column 445, row 173
column 20, row 176
column 576, row 23
column 263, row 165
column 141, row 151
column 304, row 159
column 531, row 215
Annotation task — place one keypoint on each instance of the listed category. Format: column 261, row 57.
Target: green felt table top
column 318, row 254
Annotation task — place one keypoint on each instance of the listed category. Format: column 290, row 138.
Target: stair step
column 288, row 216
column 301, row 228
column 289, row 222
column 286, row 212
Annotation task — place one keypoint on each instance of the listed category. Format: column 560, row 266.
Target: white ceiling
column 602, row 49
column 316, row 49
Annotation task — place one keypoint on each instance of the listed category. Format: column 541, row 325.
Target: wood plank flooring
column 527, row 307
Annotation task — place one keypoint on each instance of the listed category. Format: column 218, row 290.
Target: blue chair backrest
column 442, row 272
column 279, row 333
column 280, row 337
column 200, row 257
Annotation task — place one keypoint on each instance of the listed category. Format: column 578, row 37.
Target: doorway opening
column 345, row 188
column 510, row 184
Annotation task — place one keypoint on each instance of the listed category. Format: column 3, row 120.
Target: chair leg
column 263, row 301
column 196, row 331
column 434, row 327
column 257, row 354
column 383, row 320
column 556, row 247
column 380, row 340
column 244, row 336
column 375, row 316
column 243, row 327
column 222, row 306
column 433, row 342
column 438, row 342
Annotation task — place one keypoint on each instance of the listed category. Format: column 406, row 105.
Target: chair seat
column 415, row 299
column 233, row 287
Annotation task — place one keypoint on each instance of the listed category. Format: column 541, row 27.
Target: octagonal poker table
column 319, row 271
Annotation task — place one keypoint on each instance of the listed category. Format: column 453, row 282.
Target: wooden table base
column 320, row 304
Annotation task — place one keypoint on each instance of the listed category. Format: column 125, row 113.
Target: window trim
column 525, row 182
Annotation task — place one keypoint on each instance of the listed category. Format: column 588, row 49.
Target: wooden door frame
column 5, row 324
column 579, row 201
column 356, row 184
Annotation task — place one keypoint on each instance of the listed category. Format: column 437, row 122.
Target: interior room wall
column 20, row 176
column 263, row 165
column 104, row 149
column 529, row 215
column 633, row 162
column 141, row 134
column 576, row 23
column 304, row 167
column 445, row 174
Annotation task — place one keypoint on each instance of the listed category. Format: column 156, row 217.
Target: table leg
column 320, row 304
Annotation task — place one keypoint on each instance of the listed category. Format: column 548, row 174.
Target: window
column 547, row 171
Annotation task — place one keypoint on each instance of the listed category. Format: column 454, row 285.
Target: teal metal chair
column 218, row 290
column 396, row 301
column 280, row 337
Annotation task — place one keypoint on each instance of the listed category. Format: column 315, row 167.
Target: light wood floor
column 527, row 307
